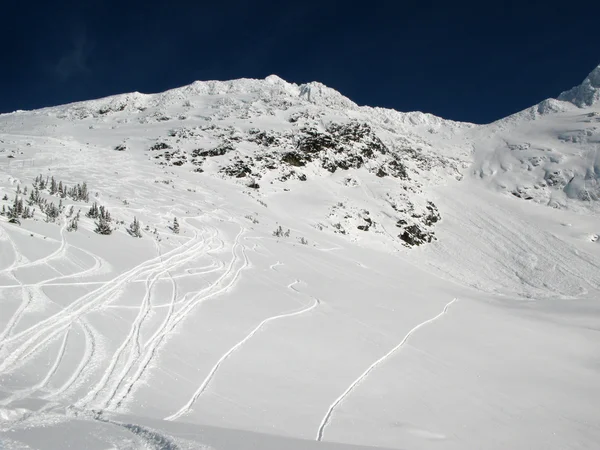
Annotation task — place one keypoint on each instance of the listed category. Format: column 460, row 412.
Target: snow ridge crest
column 587, row 93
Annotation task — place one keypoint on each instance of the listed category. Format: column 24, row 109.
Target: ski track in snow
column 89, row 351
column 88, row 302
column 60, row 251
column 27, row 297
column 188, row 406
column 160, row 335
column 16, row 317
column 132, row 339
column 327, row 418
column 24, row 393
column 136, row 347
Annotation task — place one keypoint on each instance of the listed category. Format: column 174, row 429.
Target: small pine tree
column 105, row 214
column 52, row 212
column 13, row 212
column 17, row 208
column 103, row 227
column 5, row 197
column 34, row 197
column 85, row 195
column 25, row 190
column 134, row 228
column 280, row 233
column 18, row 188
column 94, row 212
column 73, row 224
column 175, row 226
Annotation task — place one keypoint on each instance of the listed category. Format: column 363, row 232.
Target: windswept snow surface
column 332, row 333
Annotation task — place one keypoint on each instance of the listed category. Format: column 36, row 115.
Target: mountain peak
column 587, row 93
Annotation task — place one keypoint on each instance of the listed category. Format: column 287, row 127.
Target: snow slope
column 342, row 275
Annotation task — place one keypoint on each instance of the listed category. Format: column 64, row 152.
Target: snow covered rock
column 587, row 93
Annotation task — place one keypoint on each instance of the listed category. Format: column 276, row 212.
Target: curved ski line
column 16, row 317
column 136, row 326
column 90, row 348
column 41, row 384
column 81, row 306
column 54, row 254
column 18, row 255
column 25, row 304
column 112, row 285
column 355, row 383
column 153, row 345
column 147, row 359
column 209, row 269
column 187, row 407
column 136, row 347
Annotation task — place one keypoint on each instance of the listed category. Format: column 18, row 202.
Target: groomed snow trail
column 355, row 383
column 188, row 406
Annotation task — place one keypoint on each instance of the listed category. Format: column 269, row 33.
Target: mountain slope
column 308, row 269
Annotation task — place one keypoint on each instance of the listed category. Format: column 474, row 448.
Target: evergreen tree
column 34, row 197
column 93, row 213
column 175, row 226
column 13, row 212
column 134, row 228
column 5, row 197
column 52, row 212
column 73, row 224
column 17, row 208
column 103, row 227
column 105, row 214
column 83, row 193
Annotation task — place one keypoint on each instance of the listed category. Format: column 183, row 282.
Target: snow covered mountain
column 257, row 264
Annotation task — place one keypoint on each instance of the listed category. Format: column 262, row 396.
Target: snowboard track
column 328, row 415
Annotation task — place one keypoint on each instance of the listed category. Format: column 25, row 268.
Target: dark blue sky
column 461, row 60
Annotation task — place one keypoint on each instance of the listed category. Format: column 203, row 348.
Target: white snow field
column 343, row 276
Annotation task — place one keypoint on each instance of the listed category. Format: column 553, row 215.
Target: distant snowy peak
column 587, row 93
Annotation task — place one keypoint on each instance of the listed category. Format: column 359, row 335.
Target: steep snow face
column 548, row 153
column 553, row 159
column 587, row 93
column 308, row 270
